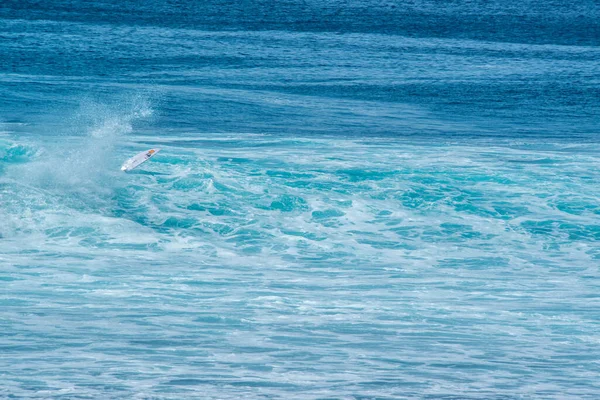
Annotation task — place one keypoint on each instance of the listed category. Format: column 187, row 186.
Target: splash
column 67, row 176
column 83, row 155
column 101, row 120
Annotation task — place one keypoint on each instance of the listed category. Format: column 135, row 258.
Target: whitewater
column 334, row 212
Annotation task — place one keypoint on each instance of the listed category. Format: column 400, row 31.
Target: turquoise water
column 393, row 201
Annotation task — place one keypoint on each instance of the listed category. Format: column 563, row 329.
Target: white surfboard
column 138, row 159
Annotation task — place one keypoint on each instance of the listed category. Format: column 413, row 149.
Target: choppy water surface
column 392, row 201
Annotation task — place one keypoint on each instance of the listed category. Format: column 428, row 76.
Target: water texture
column 353, row 200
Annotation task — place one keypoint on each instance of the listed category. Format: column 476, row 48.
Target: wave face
column 352, row 199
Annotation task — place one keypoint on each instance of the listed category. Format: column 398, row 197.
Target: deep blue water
column 354, row 199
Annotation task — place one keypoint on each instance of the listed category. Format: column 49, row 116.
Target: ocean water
column 353, row 199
